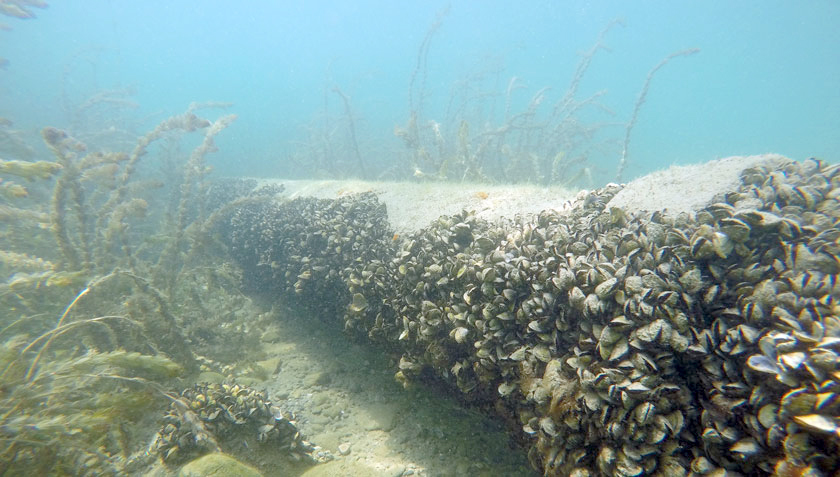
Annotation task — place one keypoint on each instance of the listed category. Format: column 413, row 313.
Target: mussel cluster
column 213, row 417
column 302, row 248
column 630, row 344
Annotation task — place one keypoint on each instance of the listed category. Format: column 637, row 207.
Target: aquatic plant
column 485, row 134
column 527, row 146
column 533, row 145
column 331, row 148
column 112, row 287
column 29, row 170
column 21, row 9
column 352, row 131
column 622, row 163
column 69, row 414
column 91, row 222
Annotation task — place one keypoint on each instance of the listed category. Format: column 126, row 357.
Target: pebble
column 318, row 378
column 271, row 335
column 344, row 448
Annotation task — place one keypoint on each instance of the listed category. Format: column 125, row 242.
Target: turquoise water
column 767, row 78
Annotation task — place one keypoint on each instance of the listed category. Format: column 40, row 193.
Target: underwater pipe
column 609, row 340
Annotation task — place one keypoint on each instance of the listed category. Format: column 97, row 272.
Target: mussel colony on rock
column 615, row 344
column 304, row 248
column 216, row 417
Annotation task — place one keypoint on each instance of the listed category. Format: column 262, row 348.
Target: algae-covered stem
column 66, row 149
column 53, row 333
column 194, row 173
column 57, row 326
column 420, row 67
column 642, row 95
column 352, row 126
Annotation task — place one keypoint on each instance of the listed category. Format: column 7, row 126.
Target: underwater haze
column 497, row 295
column 329, row 88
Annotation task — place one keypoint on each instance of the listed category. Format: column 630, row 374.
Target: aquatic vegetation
column 109, row 296
column 29, row 170
column 622, row 163
column 351, row 124
column 552, row 147
column 485, row 134
column 70, row 413
column 21, row 9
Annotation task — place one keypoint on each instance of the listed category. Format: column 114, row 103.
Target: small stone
column 382, row 417
column 319, row 421
column 333, row 411
column 248, row 381
column 319, row 399
column 272, row 335
column 344, row 448
column 271, row 366
column 210, row 377
column 318, row 378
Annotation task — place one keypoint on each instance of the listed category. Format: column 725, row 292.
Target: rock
column 210, row 377
column 330, row 440
column 217, row 465
column 248, row 381
column 272, row 335
column 382, row 417
column 317, row 379
column 344, row 448
column 271, row 366
column 320, row 399
column 332, row 412
column 319, row 422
